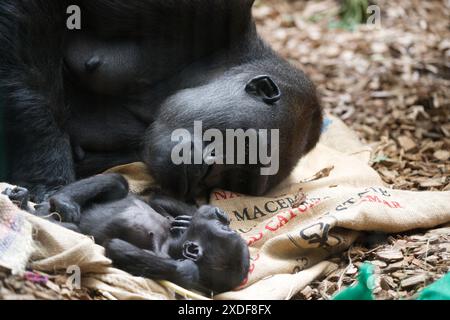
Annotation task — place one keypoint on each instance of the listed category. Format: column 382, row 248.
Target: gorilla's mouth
column 231, row 177
column 194, row 179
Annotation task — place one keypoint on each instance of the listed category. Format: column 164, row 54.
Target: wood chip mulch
column 39, row 286
column 391, row 84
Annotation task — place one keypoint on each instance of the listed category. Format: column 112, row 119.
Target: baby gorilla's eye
column 192, row 251
column 222, row 216
column 226, row 228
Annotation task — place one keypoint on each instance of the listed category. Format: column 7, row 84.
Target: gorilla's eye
column 222, row 216
column 265, row 88
column 192, row 251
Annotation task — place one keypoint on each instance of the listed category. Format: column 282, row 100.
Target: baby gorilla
column 161, row 239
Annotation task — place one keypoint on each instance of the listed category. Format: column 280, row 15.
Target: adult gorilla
column 163, row 65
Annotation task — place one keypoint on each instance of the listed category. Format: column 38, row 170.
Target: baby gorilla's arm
column 143, row 263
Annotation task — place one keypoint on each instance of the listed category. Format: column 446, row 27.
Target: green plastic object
column 361, row 290
column 439, row 290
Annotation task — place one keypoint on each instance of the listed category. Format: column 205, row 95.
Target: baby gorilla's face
column 242, row 132
column 220, row 253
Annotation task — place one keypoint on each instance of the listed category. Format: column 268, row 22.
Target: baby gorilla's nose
column 192, row 251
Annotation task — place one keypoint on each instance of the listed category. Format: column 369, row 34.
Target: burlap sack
column 319, row 210
column 332, row 195
column 16, row 243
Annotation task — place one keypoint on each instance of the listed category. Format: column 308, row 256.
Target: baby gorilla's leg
column 143, row 263
column 20, row 196
column 70, row 200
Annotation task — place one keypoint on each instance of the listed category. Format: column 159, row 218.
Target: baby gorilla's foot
column 180, row 224
column 19, row 196
column 68, row 209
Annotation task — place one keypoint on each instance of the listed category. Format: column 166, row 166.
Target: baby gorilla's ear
column 265, row 88
column 192, row 251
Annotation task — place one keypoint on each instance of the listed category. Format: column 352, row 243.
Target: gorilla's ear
column 192, row 251
column 265, row 88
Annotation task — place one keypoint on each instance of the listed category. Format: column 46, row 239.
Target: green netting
column 439, row 290
column 362, row 290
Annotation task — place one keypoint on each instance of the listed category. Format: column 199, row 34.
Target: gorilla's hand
column 187, row 274
column 19, row 196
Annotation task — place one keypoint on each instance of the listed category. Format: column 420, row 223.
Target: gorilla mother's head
column 260, row 95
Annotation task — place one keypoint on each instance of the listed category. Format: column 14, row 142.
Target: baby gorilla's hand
column 19, row 196
column 180, row 224
column 187, row 274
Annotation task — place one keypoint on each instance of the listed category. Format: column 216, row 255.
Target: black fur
column 195, row 59
column 162, row 239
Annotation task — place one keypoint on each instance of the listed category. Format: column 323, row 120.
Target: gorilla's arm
column 31, row 78
column 147, row 17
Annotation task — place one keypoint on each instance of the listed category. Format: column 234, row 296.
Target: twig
column 346, row 268
column 182, row 292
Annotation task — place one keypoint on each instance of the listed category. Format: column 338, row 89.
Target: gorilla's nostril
column 265, row 88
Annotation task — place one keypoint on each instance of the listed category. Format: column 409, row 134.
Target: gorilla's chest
column 103, row 132
column 120, row 66
column 102, row 124
column 104, row 81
